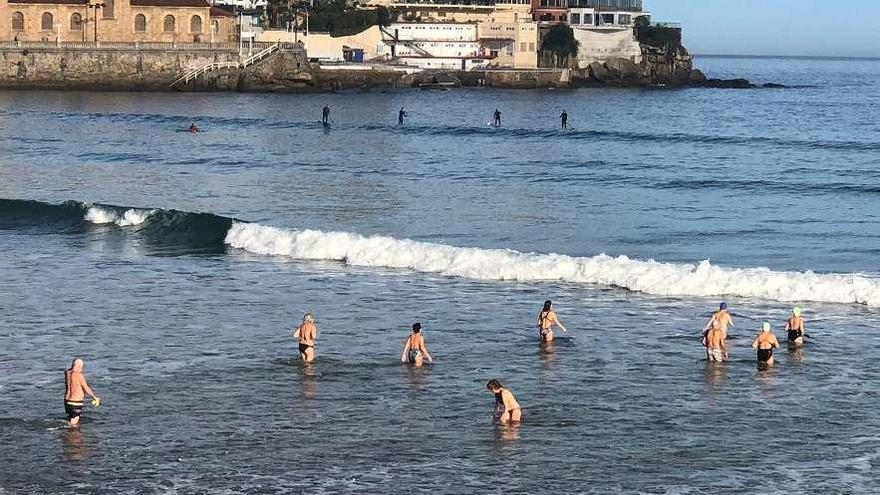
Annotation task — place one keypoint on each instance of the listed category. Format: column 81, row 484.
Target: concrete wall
column 325, row 47
column 600, row 46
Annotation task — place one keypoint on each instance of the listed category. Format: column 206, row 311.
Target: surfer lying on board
column 716, row 348
column 795, row 327
column 546, row 319
column 75, row 391
column 765, row 342
column 306, row 334
column 507, row 409
column 720, row 319
column 414, row 350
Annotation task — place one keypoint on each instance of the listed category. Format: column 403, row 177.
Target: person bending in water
column 716, row 348
column 546, row 319
column 306, row 334
column 765, row 342
column 75, row 391
column 193, row 128
column 414, row 350
column 507, row 409
column 795, row 327
column 720, row 319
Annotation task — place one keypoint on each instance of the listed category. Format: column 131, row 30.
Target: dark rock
column 697, row 76
column 623, row 69
column 727, row 84
column 598, row 72
column 773, row 86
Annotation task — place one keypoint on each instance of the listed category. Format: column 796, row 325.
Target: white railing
column 195, row 73
column 129, row 46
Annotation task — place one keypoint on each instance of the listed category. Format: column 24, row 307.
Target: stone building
column 179, row 21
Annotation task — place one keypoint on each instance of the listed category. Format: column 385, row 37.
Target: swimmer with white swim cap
column 306, row 334
column 795, row 327
column 765, row 342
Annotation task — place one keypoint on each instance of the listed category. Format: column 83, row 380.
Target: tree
column 383, row 17
column 560, row 42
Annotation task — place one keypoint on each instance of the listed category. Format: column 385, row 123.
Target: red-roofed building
column 180, row 21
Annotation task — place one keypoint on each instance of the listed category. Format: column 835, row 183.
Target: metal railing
column 265, row 52
column 130, row 46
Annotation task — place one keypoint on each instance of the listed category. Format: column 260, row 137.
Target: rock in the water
column 773, row 85
column 598, row 72
column 697, row 76
column 727, row 83
column 623, row 69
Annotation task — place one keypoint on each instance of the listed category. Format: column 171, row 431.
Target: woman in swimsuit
column 507, row 409
column 795, row 328
column 414, row 348
column 307, row 334
column 765, row 342
column 546, row 319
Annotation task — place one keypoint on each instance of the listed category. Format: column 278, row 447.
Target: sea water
column 178, row 264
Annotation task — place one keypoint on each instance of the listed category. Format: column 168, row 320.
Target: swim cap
column 796, row 311
column 723, row 305
column 766, row 326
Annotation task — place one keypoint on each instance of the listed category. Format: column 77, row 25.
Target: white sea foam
column 664, row 279
column 98, row 215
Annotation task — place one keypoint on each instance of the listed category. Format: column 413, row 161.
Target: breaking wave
column 174, row 232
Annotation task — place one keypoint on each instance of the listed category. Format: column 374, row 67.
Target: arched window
column 76, row 22
column 195, row 24
column 215, row 26
column 17, row 21
column 140, row 23
column 47, row 22
column 169, row 24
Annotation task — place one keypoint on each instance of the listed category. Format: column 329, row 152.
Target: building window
column 588, row 19
column 168, row 25
column 522, row 47
column 47, row 22
column 76, row 22
column 575, row 18
column 215, row 26
column 195, row 24
column 623, row 19
column 107, row 11
column 531, row 47
column 18, row 21
column 140, row 23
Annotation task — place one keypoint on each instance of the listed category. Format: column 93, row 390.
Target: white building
column 604, row 14
column 436, row 45
column 246, row 5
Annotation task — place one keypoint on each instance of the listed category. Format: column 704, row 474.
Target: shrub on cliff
column 559, row 43
column 666, row 38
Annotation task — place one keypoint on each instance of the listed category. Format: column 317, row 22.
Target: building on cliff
column 174, row 21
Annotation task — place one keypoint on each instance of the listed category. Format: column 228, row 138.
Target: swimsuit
column 303, row 347
column 794, row 335
column 413, row 354
column 715, row 353
column 73, row 408
column 764, row 355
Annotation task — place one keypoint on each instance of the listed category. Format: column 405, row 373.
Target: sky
column 836, row 28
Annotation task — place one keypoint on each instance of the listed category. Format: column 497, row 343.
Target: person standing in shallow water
column 795, row 328
column 716, row 347
column 765, row 342
column 564, row 118
column 76, row 389
column 546, row 319
column 306, row 334
column 414, row 349
column 400, row 116
column 507, row 409
column 325, row 115
column 720, row 319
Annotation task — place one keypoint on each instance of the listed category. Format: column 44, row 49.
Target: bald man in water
column 76, row 390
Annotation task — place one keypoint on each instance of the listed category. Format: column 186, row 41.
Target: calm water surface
column 184, row 319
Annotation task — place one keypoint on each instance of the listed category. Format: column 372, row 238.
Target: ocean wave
column 648, row 276
column 129, row 217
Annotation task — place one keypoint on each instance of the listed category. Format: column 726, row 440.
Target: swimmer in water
column 76, row 389
column 414, row 349
column 306, row 334
column 193, row 128
column 546, row 319
column 507, row 409
column 795, row 328
column 765, row 342
column 716, row 348
column 720, row 319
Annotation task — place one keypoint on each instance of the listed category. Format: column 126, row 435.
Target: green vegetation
column 337, row 17
column 559, row 43
column 658, row 36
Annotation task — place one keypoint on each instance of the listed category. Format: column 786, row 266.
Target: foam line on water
column 129, row 217
column 664, row 279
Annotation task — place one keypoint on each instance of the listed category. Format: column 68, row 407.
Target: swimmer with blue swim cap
column 795, row 327
column 720, row 320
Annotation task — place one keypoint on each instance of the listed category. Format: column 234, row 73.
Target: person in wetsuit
column 306, row 334
column 507, row 409
column 496, row 118
column 765, row 342
column 564, row 118
column 193, row 128
column 546, row 319
column 325, row 115
column 795, row 327
column 414, row 349
column 76, row 389
column 400, row 116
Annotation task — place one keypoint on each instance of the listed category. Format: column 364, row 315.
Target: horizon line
column 825, row 57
